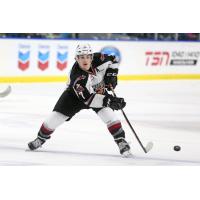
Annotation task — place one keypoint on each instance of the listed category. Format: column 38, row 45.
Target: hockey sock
column 116, row 130
column 44, row 133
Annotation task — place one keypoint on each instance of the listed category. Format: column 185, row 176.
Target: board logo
column 113, row 51
column 24, row 57
column 43, row 57
column 62, row 57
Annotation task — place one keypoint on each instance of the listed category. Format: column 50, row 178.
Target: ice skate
column 35, row 144
column 124, row 147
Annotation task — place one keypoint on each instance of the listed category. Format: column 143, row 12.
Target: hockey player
column 91, row 77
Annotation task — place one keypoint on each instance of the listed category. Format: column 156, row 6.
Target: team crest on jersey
column 81, row 77
column 79, row 88
column 98, row 86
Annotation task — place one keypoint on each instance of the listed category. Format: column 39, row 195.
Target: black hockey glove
column 114, row 102
column 110, row 78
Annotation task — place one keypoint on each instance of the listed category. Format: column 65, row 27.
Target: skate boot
column 35, row 144
column 124, row 147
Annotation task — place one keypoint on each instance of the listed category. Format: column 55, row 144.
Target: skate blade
column 127, row 154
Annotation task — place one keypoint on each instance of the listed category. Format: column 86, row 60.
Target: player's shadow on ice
column 137, row 159
column 69, row 153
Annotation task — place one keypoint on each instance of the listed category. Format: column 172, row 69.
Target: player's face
column 84, row 61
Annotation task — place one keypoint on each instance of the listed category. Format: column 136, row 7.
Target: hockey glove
column 114, row 102
column 110, row 78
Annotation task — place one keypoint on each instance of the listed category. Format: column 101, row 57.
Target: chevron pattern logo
column 23, row 59
column 43, row 60
column 62, row 60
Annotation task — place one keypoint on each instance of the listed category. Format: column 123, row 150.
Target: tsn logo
column 157, row 58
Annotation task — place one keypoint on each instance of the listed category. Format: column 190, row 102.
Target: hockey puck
column 177, row 148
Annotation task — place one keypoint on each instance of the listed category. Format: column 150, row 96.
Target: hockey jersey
column 89, row 86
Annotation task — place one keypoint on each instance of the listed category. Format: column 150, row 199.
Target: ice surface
column 164, row 112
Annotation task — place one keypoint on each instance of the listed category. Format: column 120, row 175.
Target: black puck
column 177, row 148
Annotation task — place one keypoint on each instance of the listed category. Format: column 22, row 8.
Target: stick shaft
column 128, row 122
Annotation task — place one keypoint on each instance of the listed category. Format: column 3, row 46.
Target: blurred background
column 48, row 57
column 108, row 36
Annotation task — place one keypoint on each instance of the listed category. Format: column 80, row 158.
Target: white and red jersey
column 89, row 86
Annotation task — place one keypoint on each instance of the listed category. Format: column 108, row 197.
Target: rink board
column 36, row 60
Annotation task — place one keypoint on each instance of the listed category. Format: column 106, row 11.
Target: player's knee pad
column 107, row 115
column 54, row 120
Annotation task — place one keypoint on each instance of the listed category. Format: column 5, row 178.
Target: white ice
column 164, row 112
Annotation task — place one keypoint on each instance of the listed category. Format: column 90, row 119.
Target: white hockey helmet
column 83, row 49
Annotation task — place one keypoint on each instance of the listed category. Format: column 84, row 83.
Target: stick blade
column 149, row 146
column 5, row 92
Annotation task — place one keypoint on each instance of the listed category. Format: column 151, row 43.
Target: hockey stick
column 5, row 92
column 149, row 145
